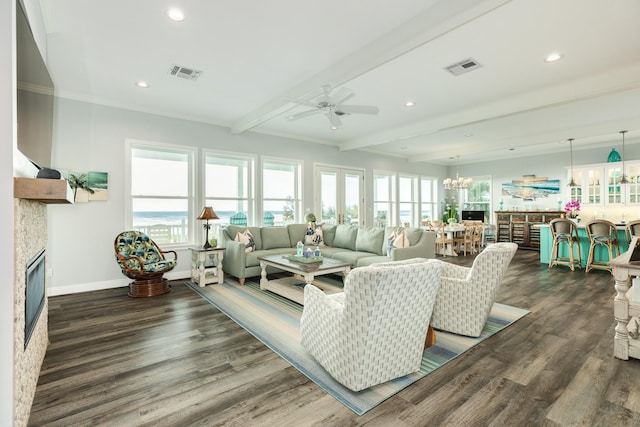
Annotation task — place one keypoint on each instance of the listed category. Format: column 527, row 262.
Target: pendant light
column 572, row 182
column 457, row 183
column 624, row 179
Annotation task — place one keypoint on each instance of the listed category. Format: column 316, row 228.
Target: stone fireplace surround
column 30, row 236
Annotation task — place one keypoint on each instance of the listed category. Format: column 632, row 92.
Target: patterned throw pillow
column 247, row 239
column 314, row 237
column 392, row 238
column 401, row 240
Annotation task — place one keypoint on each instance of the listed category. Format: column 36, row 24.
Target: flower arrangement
column 572, row 208
column 450, row 212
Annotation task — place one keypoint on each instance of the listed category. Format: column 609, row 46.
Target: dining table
column 450, row 230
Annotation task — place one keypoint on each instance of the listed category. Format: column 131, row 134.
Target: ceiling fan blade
column 357, row 109
column 341, row 95
column 303, row 114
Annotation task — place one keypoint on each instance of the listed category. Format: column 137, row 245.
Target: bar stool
column 601, row 233
column 632, row 229
column 564, row 231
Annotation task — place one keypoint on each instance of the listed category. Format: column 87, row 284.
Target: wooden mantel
column 53, row 191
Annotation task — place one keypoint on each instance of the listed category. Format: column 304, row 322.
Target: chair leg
column 590, row 258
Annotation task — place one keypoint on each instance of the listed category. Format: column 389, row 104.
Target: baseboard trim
column 107, row 284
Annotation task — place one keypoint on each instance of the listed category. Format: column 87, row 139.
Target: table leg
column 263, row 276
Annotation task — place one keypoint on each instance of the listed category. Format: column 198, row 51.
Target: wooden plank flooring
column 174, row 360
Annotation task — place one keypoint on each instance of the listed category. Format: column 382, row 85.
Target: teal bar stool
column 564, row 232
column 602, row 233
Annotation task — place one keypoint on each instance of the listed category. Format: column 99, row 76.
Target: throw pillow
column 392, row 238
column 247, row 239
column 314, row 237
column 401, row 241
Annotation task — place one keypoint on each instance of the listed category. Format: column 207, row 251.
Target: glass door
column 339, row 195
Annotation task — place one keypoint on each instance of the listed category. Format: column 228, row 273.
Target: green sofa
column 359, row 246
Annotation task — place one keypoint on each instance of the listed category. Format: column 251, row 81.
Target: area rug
column 275, row 321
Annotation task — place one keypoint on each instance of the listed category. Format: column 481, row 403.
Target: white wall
column 7, row 146
column 89, row 137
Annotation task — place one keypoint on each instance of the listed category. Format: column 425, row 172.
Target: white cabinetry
column 599, row 184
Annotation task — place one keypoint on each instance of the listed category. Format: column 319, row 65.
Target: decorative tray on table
column 305, row 260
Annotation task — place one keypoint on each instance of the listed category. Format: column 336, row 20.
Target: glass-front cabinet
column 600, row 184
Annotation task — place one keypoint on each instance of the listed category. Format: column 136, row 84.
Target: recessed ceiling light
column 468, row 135
column 409, row 104
column 175, row 14
column 404, row 147
column 552, row 57
column 142, row 84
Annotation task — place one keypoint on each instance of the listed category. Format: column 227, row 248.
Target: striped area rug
column 275, row 321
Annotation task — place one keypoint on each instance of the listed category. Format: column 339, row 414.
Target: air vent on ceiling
column 184, row 72
column 463, row 67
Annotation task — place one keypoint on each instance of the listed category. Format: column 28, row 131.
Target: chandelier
column 457, row 183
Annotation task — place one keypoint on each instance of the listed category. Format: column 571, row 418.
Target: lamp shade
column 208, row 213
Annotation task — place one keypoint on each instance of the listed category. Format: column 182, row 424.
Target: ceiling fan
column 331, row 105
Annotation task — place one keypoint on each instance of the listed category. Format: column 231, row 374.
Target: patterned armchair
column 467, row 294
column 141, row 259
column 375, row 330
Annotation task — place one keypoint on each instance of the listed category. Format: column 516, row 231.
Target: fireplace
column 34, row 293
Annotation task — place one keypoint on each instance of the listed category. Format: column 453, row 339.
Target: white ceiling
column 255, row 55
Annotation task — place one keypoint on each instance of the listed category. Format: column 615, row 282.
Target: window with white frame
column 161, row 194
column 428, row 199
column 229, row 187
column 384, row 200
column 281, row 192
column 408, row 200
column 478, row 196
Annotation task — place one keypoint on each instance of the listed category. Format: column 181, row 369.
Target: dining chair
column 465, row 239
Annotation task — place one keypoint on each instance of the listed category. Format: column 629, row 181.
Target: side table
column 206, row 265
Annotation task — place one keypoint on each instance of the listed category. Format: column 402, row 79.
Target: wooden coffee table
column 293, row 287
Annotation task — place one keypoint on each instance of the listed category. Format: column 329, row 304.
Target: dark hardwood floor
column 174, row 360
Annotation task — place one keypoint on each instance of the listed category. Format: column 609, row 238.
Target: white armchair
column 467, row 294
column 375, row 330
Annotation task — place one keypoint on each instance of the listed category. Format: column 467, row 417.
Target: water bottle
column 299, row 249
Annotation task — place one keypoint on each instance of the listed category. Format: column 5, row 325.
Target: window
column 408, row 200
column 478, row 196
column 384, row 199
column 428, row 199
column 281, row 188
column 160, row 179
column 229, row 187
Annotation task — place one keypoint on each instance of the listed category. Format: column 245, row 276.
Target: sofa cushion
column 346, row 237
column 351, row 257
column 275, row 237
column 296, row 234
column 329, row 233
column 413, row 234
column 370, row 240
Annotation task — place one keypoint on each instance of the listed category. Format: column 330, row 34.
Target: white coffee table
column 292, row 288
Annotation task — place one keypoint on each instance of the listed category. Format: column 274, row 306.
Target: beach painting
column 88, row 186
column 530, row 187
column 99, row 183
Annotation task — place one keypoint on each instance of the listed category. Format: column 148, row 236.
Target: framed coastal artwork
column 531, row 187
column 89, row 186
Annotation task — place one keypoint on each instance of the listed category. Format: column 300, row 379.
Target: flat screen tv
column 473, row 216
column 34, row 95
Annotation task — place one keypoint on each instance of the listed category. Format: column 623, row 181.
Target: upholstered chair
column 141, row 259
column 375, row 330
column 467, row 294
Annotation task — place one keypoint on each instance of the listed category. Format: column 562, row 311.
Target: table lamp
column 207, row 214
